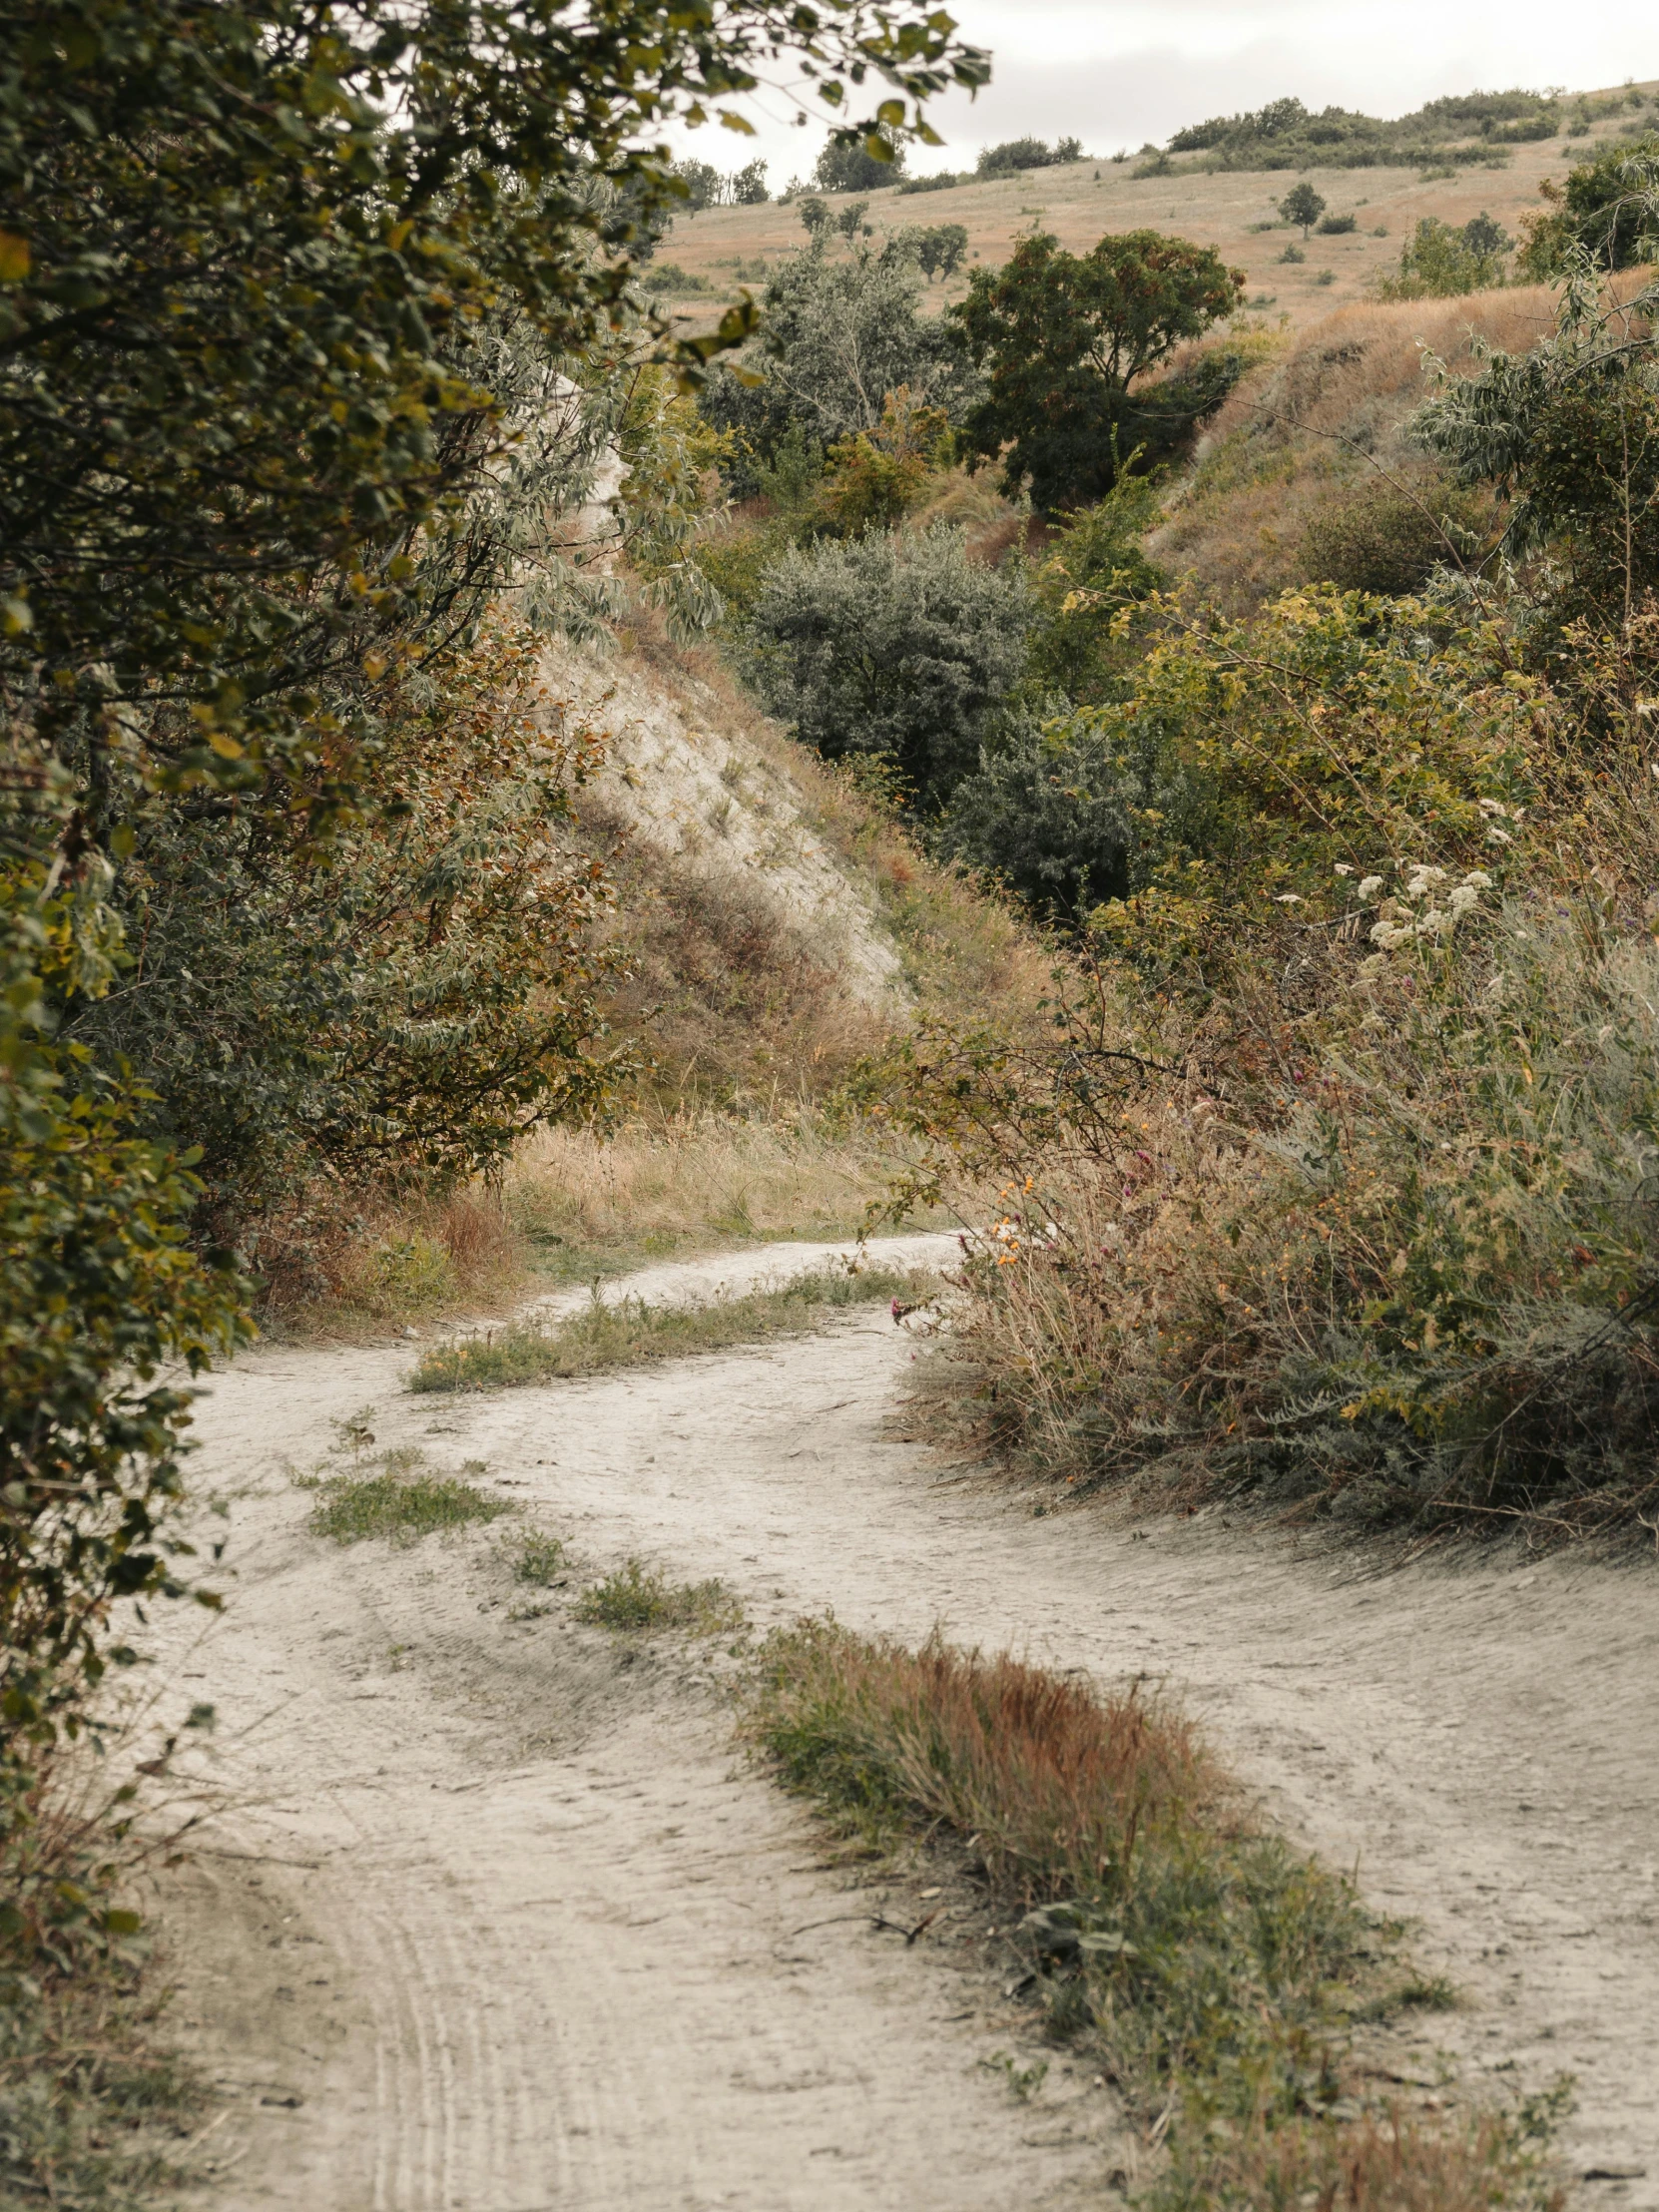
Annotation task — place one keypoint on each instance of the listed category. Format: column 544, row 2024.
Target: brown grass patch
column 1323, row 419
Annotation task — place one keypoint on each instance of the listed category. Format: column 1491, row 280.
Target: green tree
column 1604, row 209
column 872, row 164
column 942, row 249
column 749, row 185
column 1439, row 261
column 841, row 335
column 256, row 237
column 890, row 645
column 1048, row 811
column 813, row 214
column 259, row 262
column 1567, row 434
column 849, row 219
column 1064, row 339
column 1302, row 204
column 702, row 182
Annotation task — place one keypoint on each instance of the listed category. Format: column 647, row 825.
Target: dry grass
column 1218, row 1977
column 589, row 1201
column 628, row 1333
column 1321, row 422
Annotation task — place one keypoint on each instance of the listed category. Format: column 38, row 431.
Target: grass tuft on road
column 628, row 1331
column 400, row 1503
column 638, row 1599
column 1214, row 1974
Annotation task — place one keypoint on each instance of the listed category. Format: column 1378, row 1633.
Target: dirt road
column 499, row 1920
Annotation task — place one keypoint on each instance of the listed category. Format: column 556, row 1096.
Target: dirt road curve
column 498, row 1921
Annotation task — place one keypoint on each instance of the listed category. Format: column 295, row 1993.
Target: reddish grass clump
column 1053, row 1780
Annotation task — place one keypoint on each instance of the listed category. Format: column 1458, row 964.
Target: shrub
column 1337, row 225
column 1568, row 434
column 1385, row 541
column 415, row 996
column 1438, row 262
column 1048, row 814
column 668, row 276
column 1604, row 209
column 1014, row 154
column 900, row 647
column 1088, row 589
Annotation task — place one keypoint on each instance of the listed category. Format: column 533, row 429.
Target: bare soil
column 500, row 1918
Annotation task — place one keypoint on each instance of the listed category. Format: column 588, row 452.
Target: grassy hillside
column 1235, row 210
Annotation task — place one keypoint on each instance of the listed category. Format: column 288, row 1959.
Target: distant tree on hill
column 713, row 187
column 1482, row 236
column 1064, row 337
column 848, row 218
column 942, row 249
column 815, row 213
column 1302, row 204
column 855, row 168
column 702, row 180
column 842, row 333
column 1014, row 154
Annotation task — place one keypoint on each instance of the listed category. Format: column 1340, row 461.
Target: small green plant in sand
column 1216, row 1976
column 541, row 1560
column 628, row 1331
column 637, row 1598
column 401, row 1502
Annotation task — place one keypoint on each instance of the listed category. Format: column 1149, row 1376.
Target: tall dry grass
column 1326, row 419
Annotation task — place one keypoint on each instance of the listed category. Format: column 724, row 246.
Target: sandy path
column 518, row 1930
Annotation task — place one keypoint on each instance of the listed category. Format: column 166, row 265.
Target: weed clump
column 638, row 1599
column 541, row 1560
column 628, row 1331
column 399, row 1504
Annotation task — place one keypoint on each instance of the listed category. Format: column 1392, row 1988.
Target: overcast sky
column 1118, row 76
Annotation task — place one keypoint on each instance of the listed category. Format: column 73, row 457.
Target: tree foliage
column 1440, row 261
column 1302, row 206
column 1568, row 435
column 1605, row 210
column 1064, row 338
column 841, row 335
column 294, row 306
column 873, row 163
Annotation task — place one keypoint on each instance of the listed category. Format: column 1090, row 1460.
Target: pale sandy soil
column 499, row 1919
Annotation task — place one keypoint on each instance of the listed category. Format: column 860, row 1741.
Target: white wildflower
column 1343, row 869
column 1478, row 880
column 1289, row 898
column 1498, row 836
column 1370, row 886
column 1463, row 901
column 1432, row 922
column 1388, row 934
column 1421, row 879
